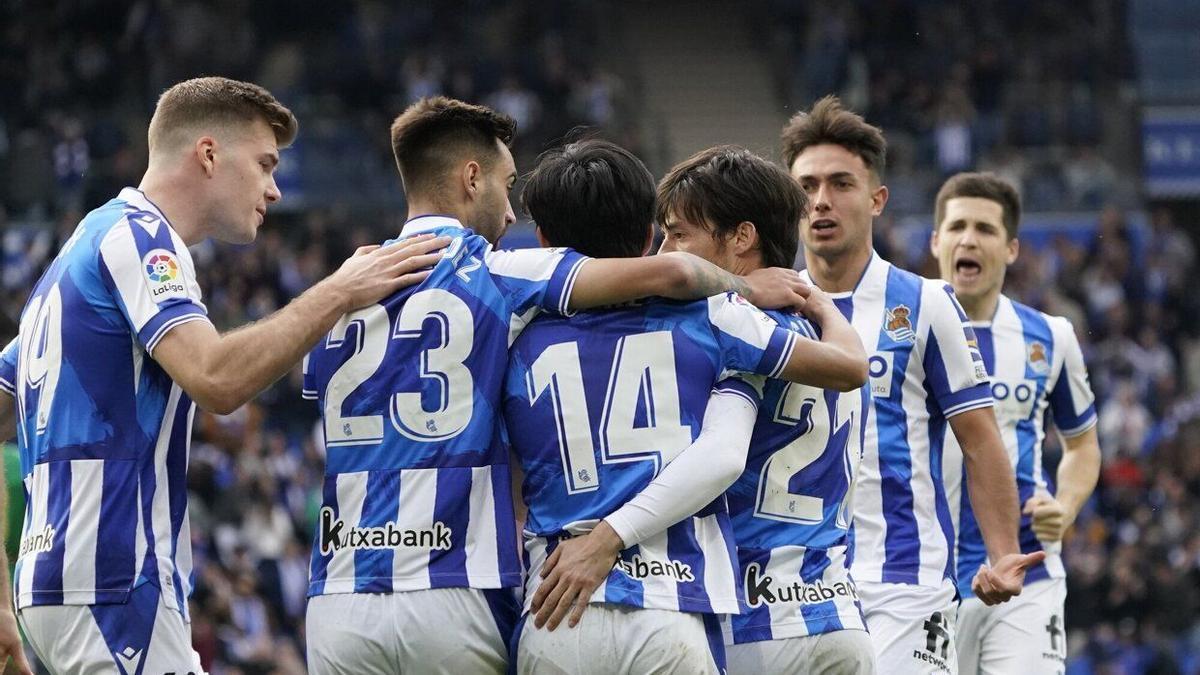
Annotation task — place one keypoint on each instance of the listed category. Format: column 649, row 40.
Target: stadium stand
column 984, row 87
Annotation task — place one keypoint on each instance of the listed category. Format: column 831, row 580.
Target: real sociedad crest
column 1038, row 362
column 898, row 326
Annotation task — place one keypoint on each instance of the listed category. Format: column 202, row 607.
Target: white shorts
column 1024, row 635
column 613, row 639
column 912, row 627
column 439, row 630
column 142, row 635
column 840, row 652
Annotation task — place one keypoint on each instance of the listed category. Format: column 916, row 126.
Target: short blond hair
column 206, row 102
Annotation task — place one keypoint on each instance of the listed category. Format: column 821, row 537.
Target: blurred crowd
column 1035, row 91
column 79, row 81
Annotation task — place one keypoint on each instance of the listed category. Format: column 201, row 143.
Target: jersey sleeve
column 8, row 367
column 535, row 278
column 1072, row 404
column 749, row 340
column 743, row 385
column 150, row 275
column 308, row 390
column 954, row 369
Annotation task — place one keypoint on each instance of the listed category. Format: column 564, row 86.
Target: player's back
column 417, row 481
column 102, row 429
column 1035, row 365
column 791, row 510
column 597, row 403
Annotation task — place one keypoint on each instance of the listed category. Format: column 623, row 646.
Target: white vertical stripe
column 664, row 590
column 160, row 505
column 351, row 493
column 535, row 547
column 39, row 487
column 188, row 267
column 483, row 558
column 720, row 571
column 418, row 499
column 119, row 253
column 784, row 568
column 183, row 544
column 83, row 527
column 870, row 528
column 933, row 550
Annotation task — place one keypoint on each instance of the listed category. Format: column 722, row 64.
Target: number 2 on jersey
column 441, row 363
column 643, row 370
column 806, row 406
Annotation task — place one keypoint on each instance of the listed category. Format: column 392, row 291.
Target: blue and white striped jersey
column 417, row 484
column 103, row 432
column 597, row 403
column 925, row 367
column 1035, row 364
column 791, row 511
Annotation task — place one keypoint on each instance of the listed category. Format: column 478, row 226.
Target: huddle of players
column 706, row 480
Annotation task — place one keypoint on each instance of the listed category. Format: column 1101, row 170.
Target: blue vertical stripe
column 373, row 567
column 754, row 623
column 449, row 568
column 507, row 542
column 320, row 562
column 115, row 556
column 821, row 617
column 623, row 589
column 48, row 575
column 902, row 543
column 682, row 546
column 176, row 490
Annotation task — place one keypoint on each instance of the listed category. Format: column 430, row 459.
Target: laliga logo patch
column 163, row 275
column 1038, row 362
column 897, row 326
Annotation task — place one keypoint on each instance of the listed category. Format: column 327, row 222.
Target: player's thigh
column 587, row 647
column 1027, row 635
column 912, row 627
column 457, row 630
column 974, row 619
column 442, row 630
column 668, row 642
column 614, row 639
column 843, row 652
column 140, row 635
column 350, row 633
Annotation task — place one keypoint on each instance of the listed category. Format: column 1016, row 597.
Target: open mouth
column 968, row 269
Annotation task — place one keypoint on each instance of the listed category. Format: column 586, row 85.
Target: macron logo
column 128, row 660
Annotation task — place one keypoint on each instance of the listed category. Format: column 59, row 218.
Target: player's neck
column 981, row 307
column 176, row 204
column 420, row 207
column 838, row 274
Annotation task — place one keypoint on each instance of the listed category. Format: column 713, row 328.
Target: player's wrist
column 607, row 537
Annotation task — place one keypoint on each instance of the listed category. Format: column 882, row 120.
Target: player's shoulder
column 1057, row 328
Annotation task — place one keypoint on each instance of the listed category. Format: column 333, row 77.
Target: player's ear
column 1014, row 249
column 745, row 237
column 205, row 151
column 879, row 199
column 933, row 241
column 471, row 177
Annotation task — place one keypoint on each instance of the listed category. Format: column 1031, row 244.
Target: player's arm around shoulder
column 838, row 361
column 679, row 276
column 222, row 372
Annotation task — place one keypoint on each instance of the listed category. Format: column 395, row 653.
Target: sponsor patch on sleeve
column 164, row 276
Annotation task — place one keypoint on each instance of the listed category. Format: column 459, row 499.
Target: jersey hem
column 779, row 631
column 423, row 583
